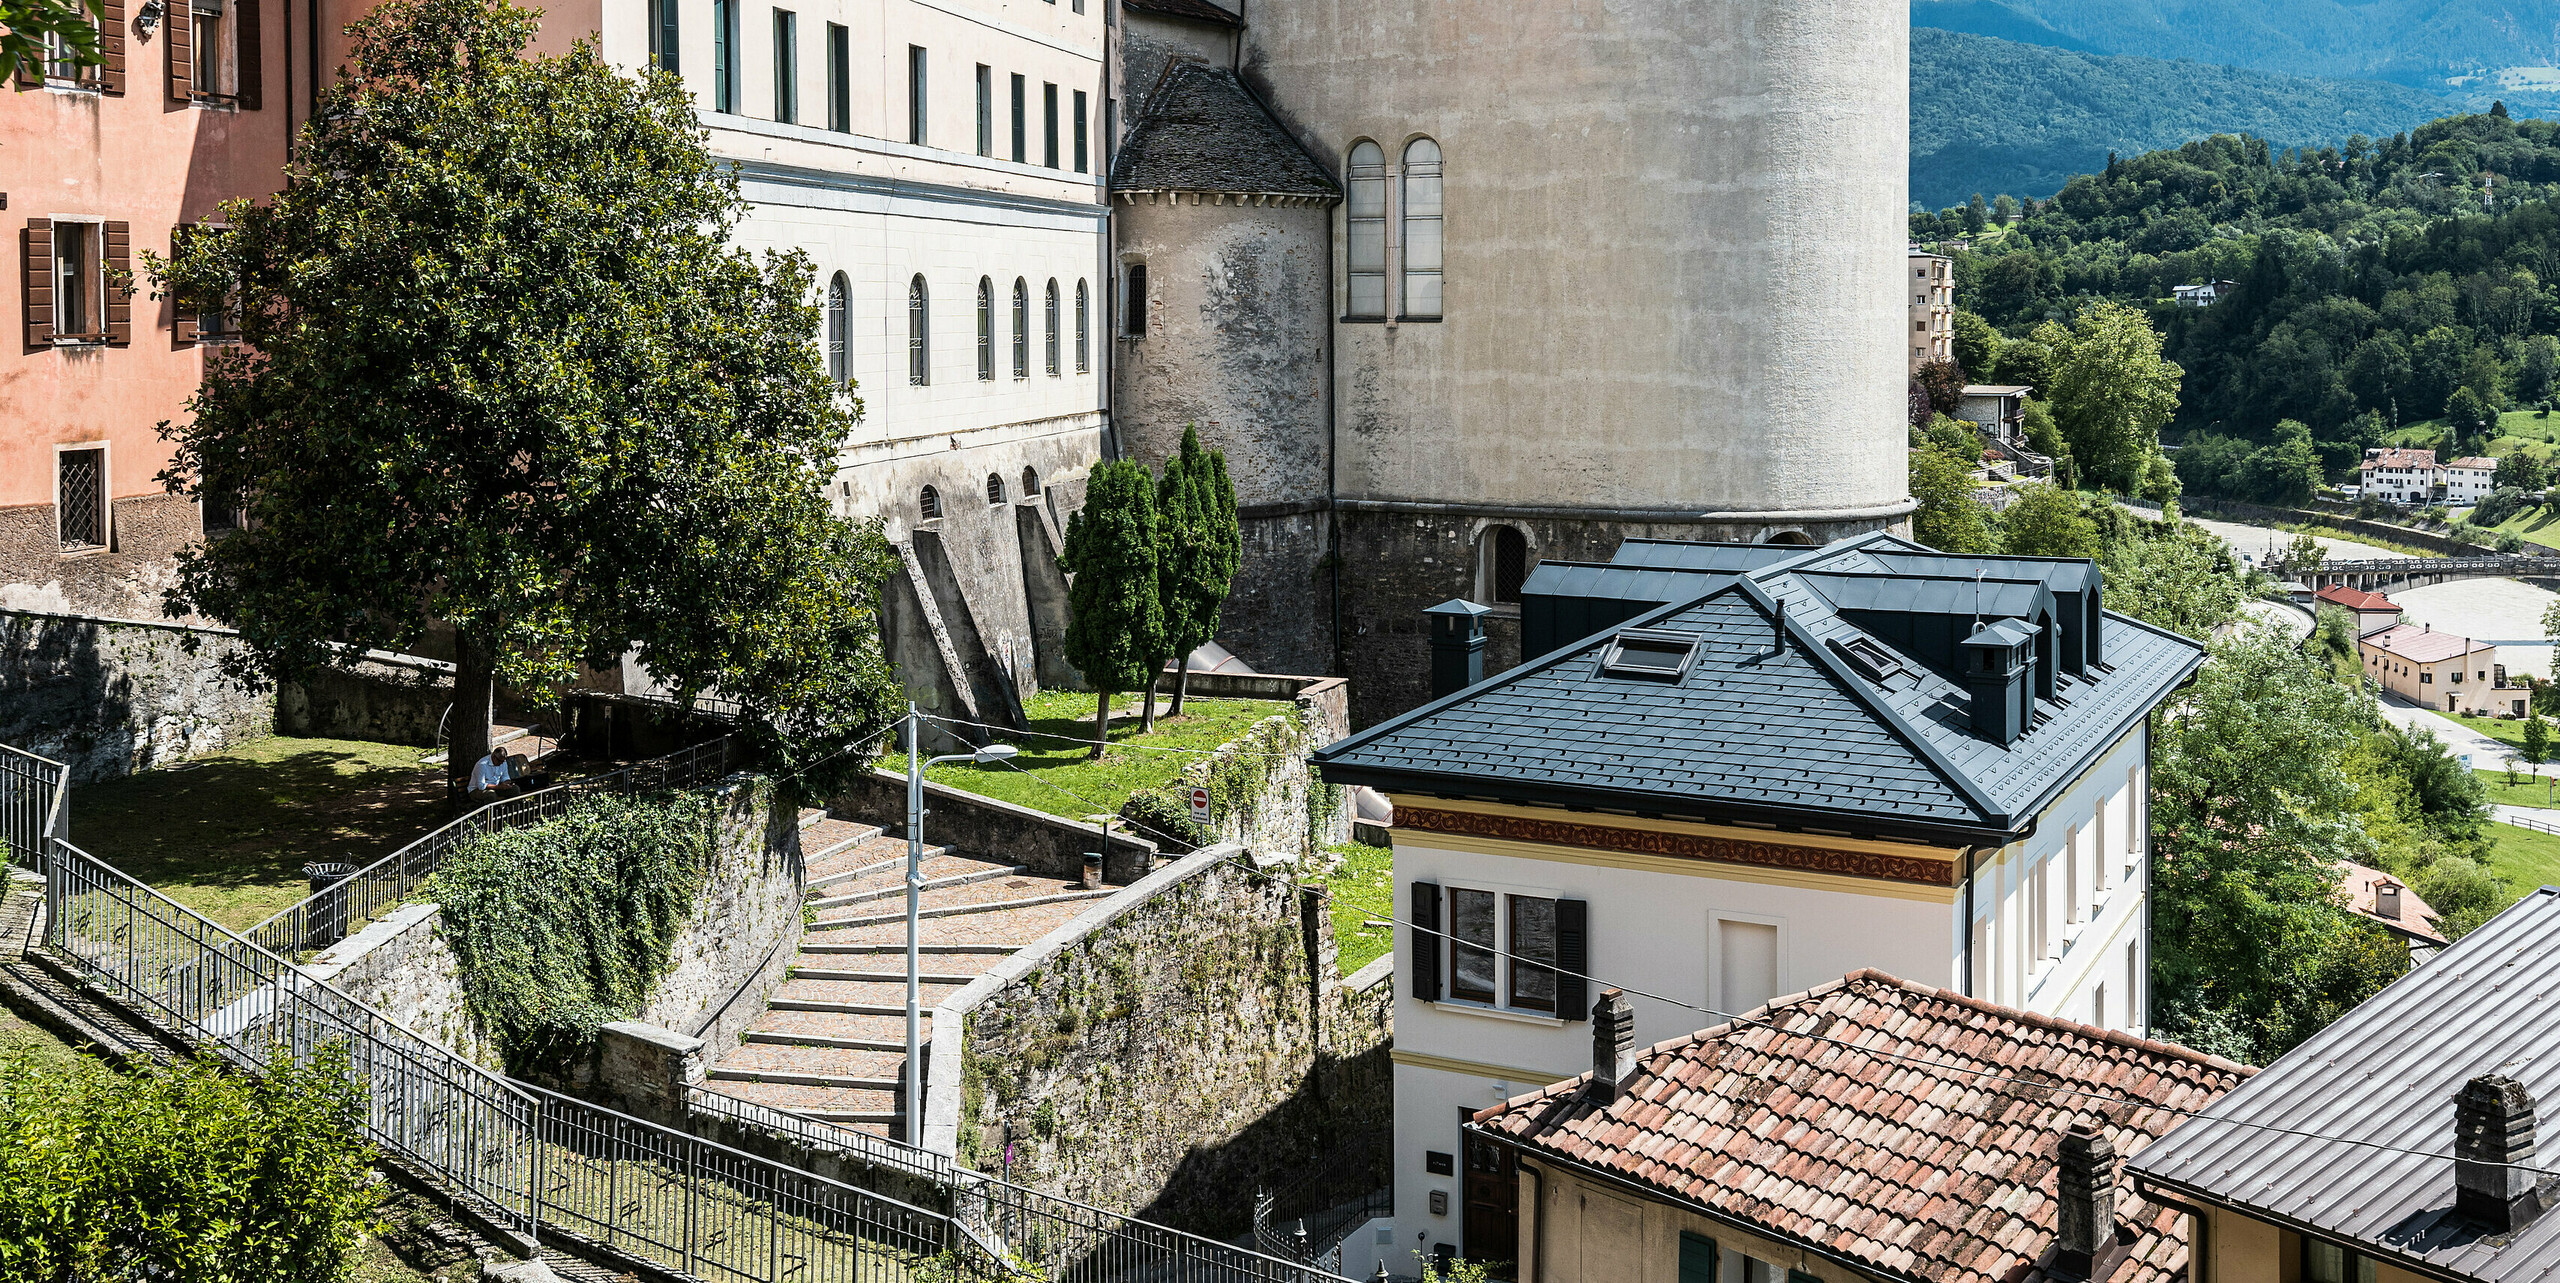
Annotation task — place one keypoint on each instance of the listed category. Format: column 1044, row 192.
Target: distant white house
column 2201, row 295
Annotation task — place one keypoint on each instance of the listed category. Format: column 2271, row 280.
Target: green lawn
column 19, row 1036
column 2497, row 728
column 2517, row 430
column 227, row 835
column 2529, row 790
column 1362, row 891
column 2526, row 859
column 1055, row 772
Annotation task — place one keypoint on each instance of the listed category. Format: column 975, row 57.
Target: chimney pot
column 2386, row 898
column 2493, row 1124
column 2085, row 1183
column 1613, row 1044
column 1457, row 646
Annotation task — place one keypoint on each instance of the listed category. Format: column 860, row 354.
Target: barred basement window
column 995, row 489
column 81, row 498
column 929, row 504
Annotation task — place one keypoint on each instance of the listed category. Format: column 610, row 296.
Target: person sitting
column 492, row 777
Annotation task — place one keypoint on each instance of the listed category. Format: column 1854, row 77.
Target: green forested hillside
column 2419, row 42
column 2373, row 291
column 1996, row 116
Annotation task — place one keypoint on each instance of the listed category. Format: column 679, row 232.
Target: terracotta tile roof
column 2475, row 461
column 2416, row 644
column 2356, row 598
column 2399, row 459
column 1909, row 1162
column 2416, row 918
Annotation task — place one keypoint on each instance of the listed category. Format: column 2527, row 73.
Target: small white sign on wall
column 1200, row 804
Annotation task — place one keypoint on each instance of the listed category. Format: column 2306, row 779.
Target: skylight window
column 1867, row 658
column 1651, row 654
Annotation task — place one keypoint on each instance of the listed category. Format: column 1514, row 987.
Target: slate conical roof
column 1203, row 131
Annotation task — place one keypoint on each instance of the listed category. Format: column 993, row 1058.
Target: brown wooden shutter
column 180, row 48
column 1426, row 941
column 31, row 69
column 119, row 299
column 252, row 63
column 183, row 325
column 110, row 73
column 35, row 281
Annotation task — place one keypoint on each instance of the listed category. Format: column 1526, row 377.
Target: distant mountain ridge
column 1996, row 115
column 2413, row 42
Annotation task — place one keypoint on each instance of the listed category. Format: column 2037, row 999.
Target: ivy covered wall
column 1263, row 795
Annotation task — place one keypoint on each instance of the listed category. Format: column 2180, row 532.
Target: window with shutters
column 80, row 497
column 986, row 110
column 664, row 18
column 724, row 55
column 1422, row 221
column 1084, row 328
column 79, row 283
column 1049, row 330
column 916, row 104
column 1021, row 329
column 212, row 49
column 1697, row 1258
column 839, row 78
column 203, row 320
column 986, row 330
column 1081, row 141
column 919, row 333
column 58, row 63
column 1049, row 125
column 1507, row 950
column 1021, row 120
column 1365, row 214
column 839, row 328
column 78, row 278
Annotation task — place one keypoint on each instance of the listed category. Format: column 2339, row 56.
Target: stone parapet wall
column 109, row 697
column 401, row 967
column 1167, row 1051
column 993, row 829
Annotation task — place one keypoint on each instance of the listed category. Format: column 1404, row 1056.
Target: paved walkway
column 2533, row 817
column 2483, row 752
column 832, row 1041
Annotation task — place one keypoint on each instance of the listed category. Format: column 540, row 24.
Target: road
column 2482, row 752
column 2539, row 819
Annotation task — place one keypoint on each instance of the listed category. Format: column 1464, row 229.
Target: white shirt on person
column 489, row 773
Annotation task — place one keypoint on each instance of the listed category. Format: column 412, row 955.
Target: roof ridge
column 2057, row 1024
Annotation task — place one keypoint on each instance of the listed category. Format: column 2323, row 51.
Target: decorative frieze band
column 1680, row 846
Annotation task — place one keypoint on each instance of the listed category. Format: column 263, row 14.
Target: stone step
column 812, row 816
column 845, row 1008
column 892, row 993
column 989, row 950
column 890, row 874
column 787, row 1078
column 929, row 885
column 769, row 1038
column 875, row 1109
column 871, row 854
column 878, row 977
column 955, row 910
column 821, row 845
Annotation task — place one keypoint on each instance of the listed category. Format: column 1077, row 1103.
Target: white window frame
column 91, row 232
column 1502, row 894
column 106, row 497
column 224, row 49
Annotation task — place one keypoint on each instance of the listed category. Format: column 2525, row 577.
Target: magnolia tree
column 502, row 373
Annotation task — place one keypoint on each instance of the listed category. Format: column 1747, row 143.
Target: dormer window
column 1652, row 654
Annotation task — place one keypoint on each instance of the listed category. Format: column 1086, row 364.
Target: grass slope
column 1361, row 891
column 2524, row 858
column 1055, row 774
column 1991, row 115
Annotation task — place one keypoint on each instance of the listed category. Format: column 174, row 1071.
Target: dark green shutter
column 1426, row 941
column 1697, row 1258
column 1573, row 958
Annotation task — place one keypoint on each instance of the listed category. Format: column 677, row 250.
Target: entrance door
column 1491, row 1228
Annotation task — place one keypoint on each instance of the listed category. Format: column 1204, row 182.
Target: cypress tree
column 1202, row 543
column 1115, row 623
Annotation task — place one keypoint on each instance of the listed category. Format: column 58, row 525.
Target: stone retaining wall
column 1168, row 1050
column 973, row 824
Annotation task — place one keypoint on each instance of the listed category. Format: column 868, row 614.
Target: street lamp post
column 916, row 764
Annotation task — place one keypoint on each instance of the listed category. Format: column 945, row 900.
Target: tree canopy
column 503, row 373
column 1116, row 618
column 1201, row 545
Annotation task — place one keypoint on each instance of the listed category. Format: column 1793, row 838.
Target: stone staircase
column 832, row 1041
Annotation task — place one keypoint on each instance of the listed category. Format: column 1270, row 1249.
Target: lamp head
column 994, row 753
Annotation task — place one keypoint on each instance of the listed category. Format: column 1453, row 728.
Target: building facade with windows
column 1743, row 769
column 2441, row 671
column 100, row 165
column 1637, row 294
column 1932, row 283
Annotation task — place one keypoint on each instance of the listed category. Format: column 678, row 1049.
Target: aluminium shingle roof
column 2367, row 1105
column 1203, row 131
column 1857, row 1118
column 1754, row 729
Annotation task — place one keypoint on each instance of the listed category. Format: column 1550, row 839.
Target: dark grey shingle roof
column 2386, row 1073
column 1197, row 10
column 1204, row 132
column 1750, row 730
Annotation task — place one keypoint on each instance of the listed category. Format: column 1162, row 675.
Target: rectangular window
column 1471, row 945
column 1049, row 126
column 1533, row 953
column 986, row 110
column 662, row 34
column 915, row 94
column 786, row 66
column 205, row 37
column 81, row 498
column 79, row 282
column 839, row 79
column 1366, row 212
column 724, row 55
column 1080, row 131
column 1422, row 234
column 2330, row 1263
column 1021, row 120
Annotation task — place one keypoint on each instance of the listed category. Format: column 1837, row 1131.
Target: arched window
column 1366, row 212
column 1793, row 537
column 919, row 334
column 1133, row 303
column 1021, row 329
column 839, row 326
column 929, row 503
column 1030, row 482
column 986, row 329
column 1503, row 560
column 1422, row 229
column 1051, row 332
column 1084, row 329
column 995, row 489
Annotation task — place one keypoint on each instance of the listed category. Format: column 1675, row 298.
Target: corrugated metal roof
column 1720, row 558
column 2385, row 1074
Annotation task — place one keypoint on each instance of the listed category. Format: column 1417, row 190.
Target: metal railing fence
column 824, row 1137
column 445, row 1117
column 32, row 793
column 370, row 891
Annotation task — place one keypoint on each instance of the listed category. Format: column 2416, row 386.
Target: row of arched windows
column 920, row 329
column 1411, row 257
column 929, row 499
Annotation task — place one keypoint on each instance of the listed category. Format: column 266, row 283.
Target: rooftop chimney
column 1613, row 1044
column 2386, row 898
column 1457, row 646
column 1995, row 677
column 2086, row 1188
column 2492, row 1140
